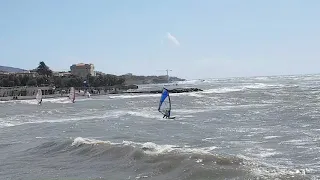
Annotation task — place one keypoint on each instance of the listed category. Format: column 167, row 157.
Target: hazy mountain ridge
column 11, row 69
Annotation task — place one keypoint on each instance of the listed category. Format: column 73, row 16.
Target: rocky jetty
column 176, row 90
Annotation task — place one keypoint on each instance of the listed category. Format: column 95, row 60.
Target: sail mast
column 168, row 74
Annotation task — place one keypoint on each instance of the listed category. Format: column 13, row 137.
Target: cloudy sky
column 193, row 38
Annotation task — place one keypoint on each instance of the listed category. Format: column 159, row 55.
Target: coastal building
column 61, row 73
column 82, row 70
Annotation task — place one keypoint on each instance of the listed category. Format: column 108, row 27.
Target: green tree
column 4, row 82
column 32, row 82
column 11, row 77
column 42, row 80
column 57, row 81
column 65, row 82
column 91, row 80
column 98, row 81
column 121, row 81
column 11, row 83
column 43, row 69
column 17, row 81
column 24, row 80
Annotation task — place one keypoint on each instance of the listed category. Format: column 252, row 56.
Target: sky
column 193, row 38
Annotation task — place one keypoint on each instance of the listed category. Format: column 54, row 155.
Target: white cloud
column 173, row 39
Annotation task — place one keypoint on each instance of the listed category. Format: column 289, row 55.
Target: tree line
column 45, row 78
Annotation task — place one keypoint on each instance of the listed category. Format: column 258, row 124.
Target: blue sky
column 194, row 38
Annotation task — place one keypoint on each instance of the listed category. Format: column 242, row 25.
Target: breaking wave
column 151, row 160
column 241, row 88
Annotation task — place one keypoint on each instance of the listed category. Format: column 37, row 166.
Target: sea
column 236, row 128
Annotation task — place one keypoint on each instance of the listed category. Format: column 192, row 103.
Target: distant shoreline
column 56, row 95
column 10, row 98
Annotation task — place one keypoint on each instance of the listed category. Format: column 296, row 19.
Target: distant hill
column 11, row 69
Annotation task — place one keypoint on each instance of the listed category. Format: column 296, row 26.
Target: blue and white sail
column 165, row 102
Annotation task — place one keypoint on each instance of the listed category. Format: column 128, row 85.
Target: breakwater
column 175, row 90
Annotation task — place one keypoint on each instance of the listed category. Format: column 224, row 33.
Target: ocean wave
column 57, row 100
column 56, row 116
column 63, row 100
column 129, row 96
column 151, row 160
column 6, row 124
column 157, row 95
column 35, row 119
column 265, row 170
column 242, row 88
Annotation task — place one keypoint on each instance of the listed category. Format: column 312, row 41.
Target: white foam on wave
column 133, row 96
column 264, row 153
column 264, row 78
column 221, row 90
column 153, row 114
column 80, row 141
column 237, row 88
column 195, row 81
column 257, row 86
column 33, row 119
column 270, row 137
column 144, row 114
column 148, row 147
column 192, row 94
column 265, row 165
column 235, row 106
column 153, row 148
column 298, row 142
column 4, row 102
column 271, row 170
column 211, row 140
column 157, row 95
column 62, row 100
column 6, row 124
column 190, row 111
column 29, row 101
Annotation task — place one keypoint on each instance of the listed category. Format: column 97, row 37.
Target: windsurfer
column 166, row 114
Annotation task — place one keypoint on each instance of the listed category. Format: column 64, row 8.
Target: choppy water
column 240, row 128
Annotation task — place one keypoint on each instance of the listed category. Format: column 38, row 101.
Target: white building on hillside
column 82, row 70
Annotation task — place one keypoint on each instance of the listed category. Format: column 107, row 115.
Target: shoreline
column 10, row 98
column 50, row 96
